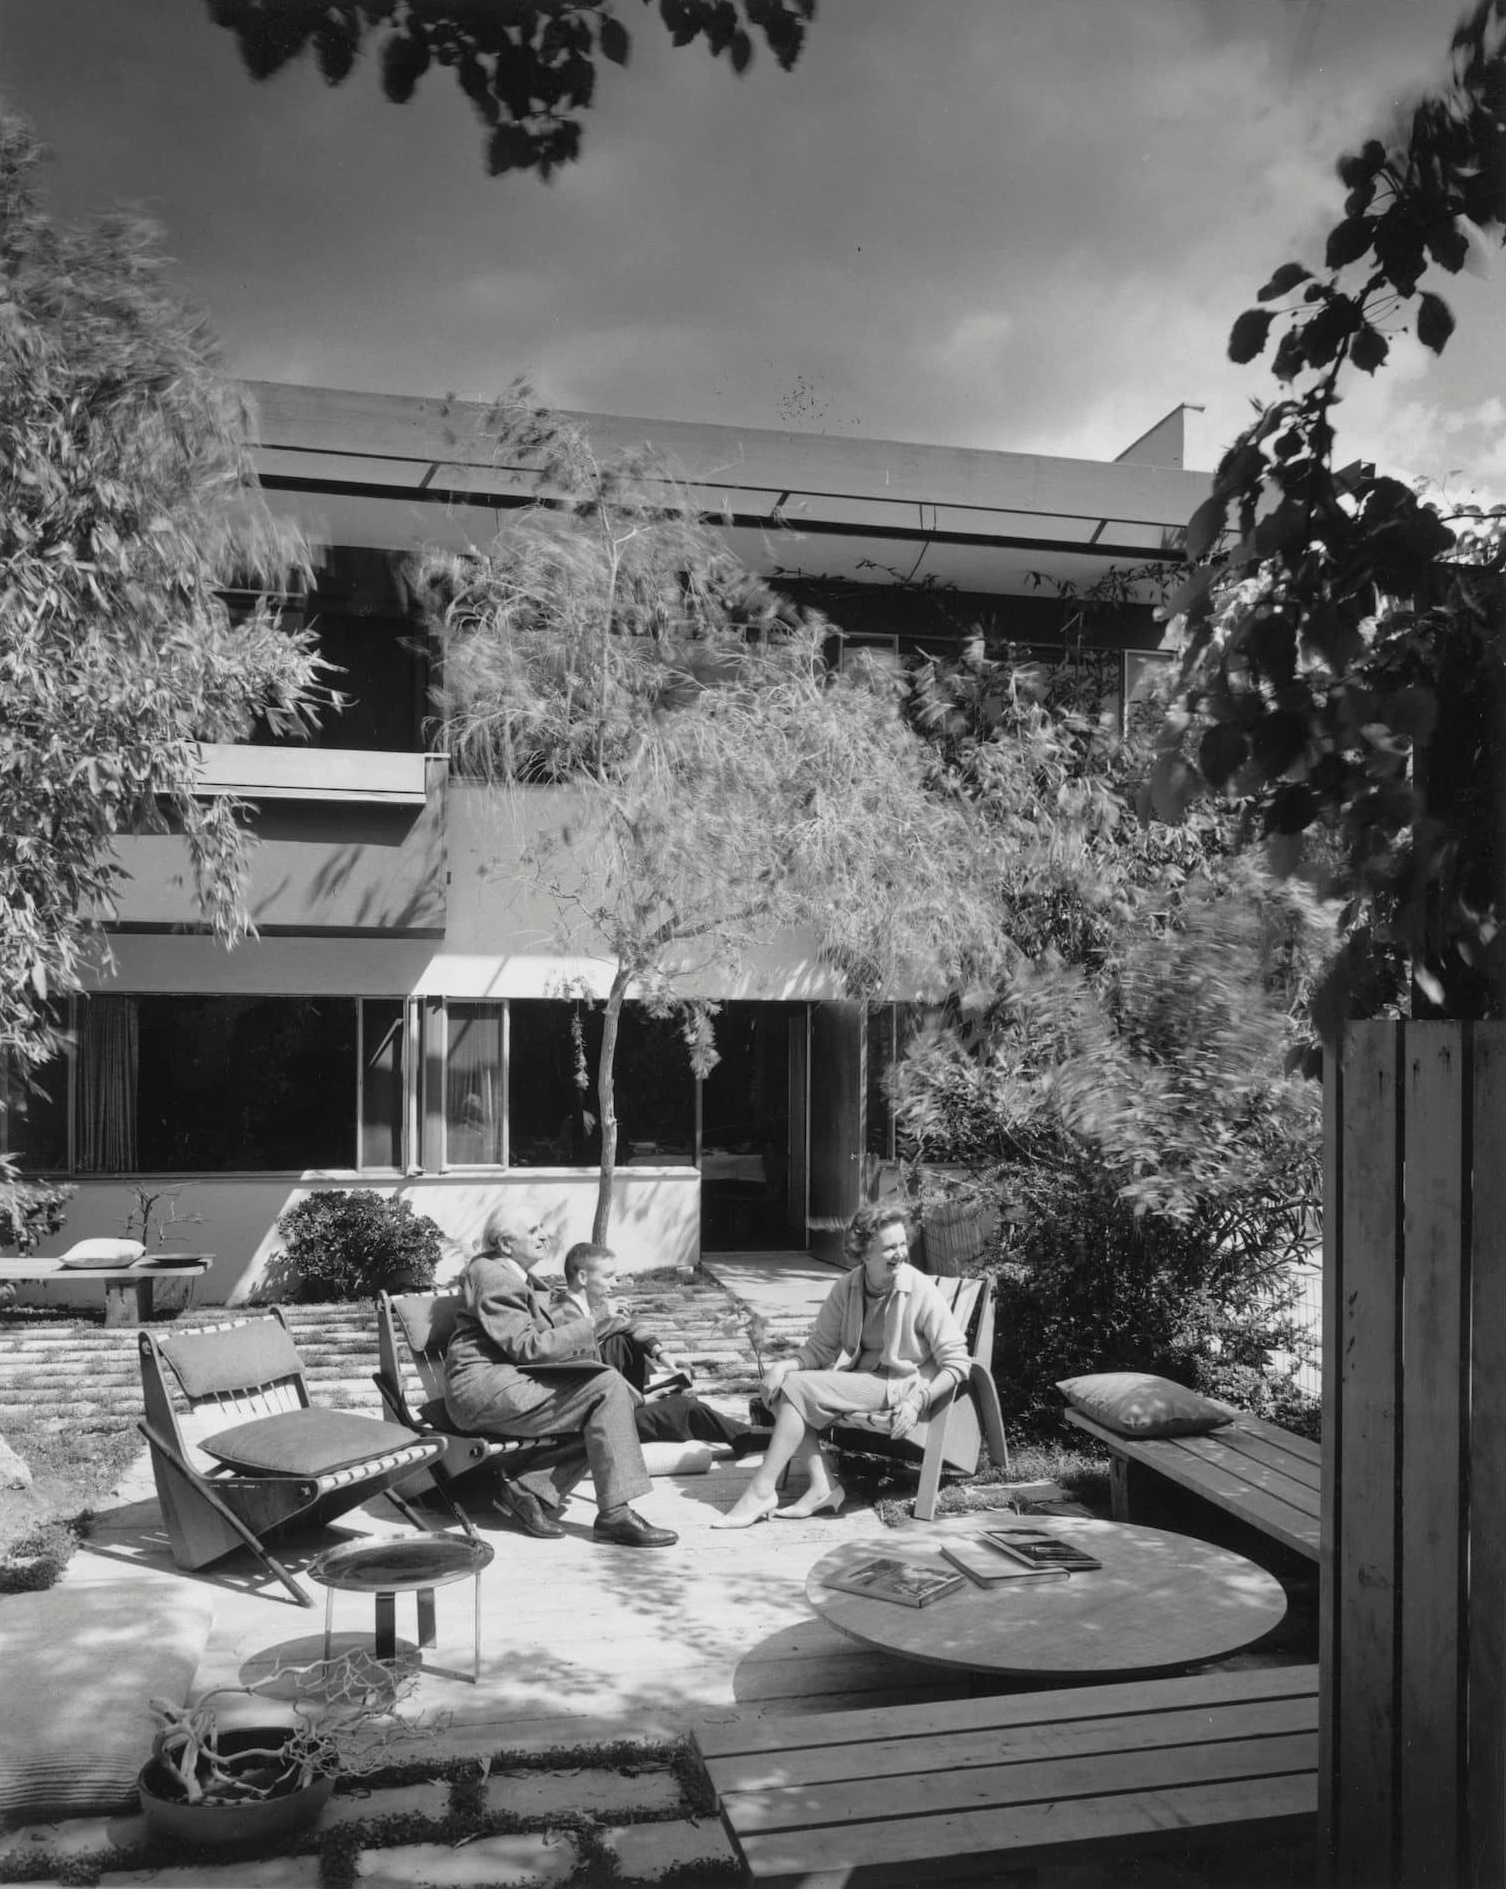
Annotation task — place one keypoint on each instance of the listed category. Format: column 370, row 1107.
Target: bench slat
column 979, row 1842
column 1069, row 1705
column 1276, row 1503
column 883, row 1756
column 936, row 1790
column 1260, row 1458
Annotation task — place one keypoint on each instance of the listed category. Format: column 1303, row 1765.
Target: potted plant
column 219, row 1777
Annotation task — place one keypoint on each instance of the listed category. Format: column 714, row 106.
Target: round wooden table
column 1160, row 1602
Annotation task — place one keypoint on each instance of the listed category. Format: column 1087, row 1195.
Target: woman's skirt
column 822, row 1397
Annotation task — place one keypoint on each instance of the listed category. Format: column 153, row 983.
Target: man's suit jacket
column 508, row 1329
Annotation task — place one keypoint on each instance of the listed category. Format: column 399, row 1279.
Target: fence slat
column 1432, row 1505
column 1365, row 1348
column 1486, row 1838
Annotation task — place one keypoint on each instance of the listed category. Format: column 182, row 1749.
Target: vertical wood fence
column 1413, row 1650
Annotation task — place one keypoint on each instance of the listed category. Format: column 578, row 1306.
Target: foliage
column 345, row 1725
column 1121, row 1097
column 723, row 787
column 341, row 1245
column 1342, row 642
column 32, row 1211
column 127, row 501
column 528, row 67
column 1091, row 1286
column 35, row 1559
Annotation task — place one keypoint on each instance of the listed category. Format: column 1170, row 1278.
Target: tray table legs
column 385, row 1641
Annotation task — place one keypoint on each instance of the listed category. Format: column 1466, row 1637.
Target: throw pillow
column 1137, row 1404
column 103, row 1252
column 305, row 1442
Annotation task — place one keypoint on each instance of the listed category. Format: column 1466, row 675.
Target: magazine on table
column 1039, row 1548
column 986, row 1565
column 910, row 1583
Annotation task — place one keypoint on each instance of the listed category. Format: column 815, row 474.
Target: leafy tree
column 722, row 787
column 1342, row 640
column 127, row 501
column 1122, row 1096
column 527, row 66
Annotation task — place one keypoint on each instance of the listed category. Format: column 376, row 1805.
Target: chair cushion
column 305, row 1442
column 1136, row 1404
column 236, row 1357
column 103, row 1252
column 82, row 1662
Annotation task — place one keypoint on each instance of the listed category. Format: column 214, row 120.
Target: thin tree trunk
column 606, row 1101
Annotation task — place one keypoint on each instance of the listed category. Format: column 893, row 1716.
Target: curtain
column 473, row 1084
column 107, row 1074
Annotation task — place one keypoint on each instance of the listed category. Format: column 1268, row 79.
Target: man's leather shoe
column 524, row 1507
column 629, row 1530
column 749, row 1443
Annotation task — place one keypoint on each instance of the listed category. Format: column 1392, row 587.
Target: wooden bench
column 970, row 1787
column 128, row 1289
column 1252, row 1469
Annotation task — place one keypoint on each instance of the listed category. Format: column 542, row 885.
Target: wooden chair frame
column 413, row 1329
column 211, row 1512
column 960, row 1421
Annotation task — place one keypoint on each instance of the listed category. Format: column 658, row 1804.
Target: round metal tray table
column 406, row 1564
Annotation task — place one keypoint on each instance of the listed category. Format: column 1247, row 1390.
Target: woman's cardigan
column 921, row 1337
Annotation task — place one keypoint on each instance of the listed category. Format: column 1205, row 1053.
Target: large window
column 552, row 1104
column 192, row 1084
column 473, row 1080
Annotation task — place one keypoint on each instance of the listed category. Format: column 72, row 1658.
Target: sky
column 1023, row 225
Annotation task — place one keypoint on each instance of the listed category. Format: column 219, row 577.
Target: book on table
column 909, row 1583
column 1039, row 1548
column 666, row 1384
column 988, row 1566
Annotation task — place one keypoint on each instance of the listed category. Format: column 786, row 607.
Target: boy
column 631, row 1348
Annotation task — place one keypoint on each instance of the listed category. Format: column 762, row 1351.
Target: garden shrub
column 354, row 1244
column 1090, row 1286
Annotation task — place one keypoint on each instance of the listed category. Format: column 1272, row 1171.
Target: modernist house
column 405, row 1019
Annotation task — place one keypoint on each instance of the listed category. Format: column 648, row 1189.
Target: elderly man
column 514, row 1369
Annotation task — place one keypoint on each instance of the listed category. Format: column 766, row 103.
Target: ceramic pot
column 220, row 1826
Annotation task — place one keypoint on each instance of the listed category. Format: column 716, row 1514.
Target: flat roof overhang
column 397, row 470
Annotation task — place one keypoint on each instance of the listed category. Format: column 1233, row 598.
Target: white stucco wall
column 655, row 1220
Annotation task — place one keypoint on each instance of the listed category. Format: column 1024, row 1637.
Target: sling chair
column 413, row 1329
column 949, row 1437
column 283, row 1463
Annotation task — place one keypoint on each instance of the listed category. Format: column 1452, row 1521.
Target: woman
column 884, row 1341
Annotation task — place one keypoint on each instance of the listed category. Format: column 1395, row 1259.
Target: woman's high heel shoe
column 835, row 1496
column 747, row 1510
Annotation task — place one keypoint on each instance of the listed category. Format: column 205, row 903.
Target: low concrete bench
column 1252, row 1469
column 970, row 1787
column 127, row 1289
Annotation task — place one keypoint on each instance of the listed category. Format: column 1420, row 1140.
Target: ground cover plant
column 74, row 1464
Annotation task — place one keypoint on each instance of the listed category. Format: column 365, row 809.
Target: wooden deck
column 578, row 1640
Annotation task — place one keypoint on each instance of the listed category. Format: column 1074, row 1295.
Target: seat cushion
column 305, row 1442
column 1137, row 1404
column 82, row 1662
